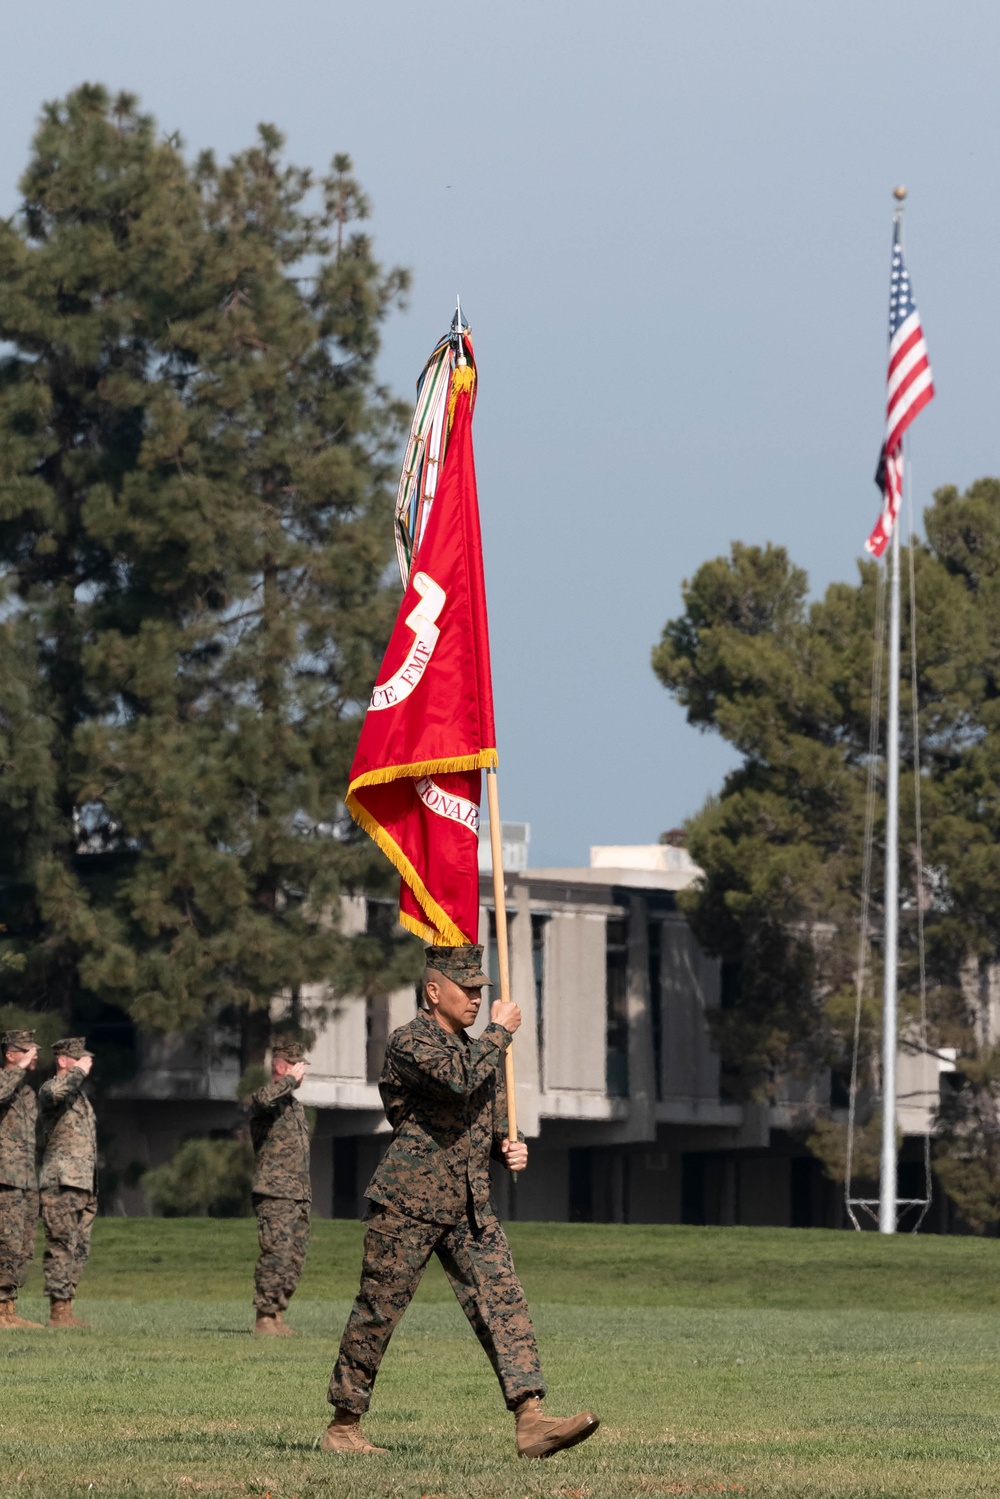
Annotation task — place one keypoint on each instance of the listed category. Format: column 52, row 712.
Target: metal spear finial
column 459, row 326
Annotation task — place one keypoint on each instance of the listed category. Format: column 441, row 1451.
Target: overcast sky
column 670, row 227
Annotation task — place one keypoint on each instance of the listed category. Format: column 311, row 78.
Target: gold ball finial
column 899, row 193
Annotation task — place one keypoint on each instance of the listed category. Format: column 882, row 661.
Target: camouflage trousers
column 68, row 1215
column 283, row 1233
column 478, row 1263
column 18, row 1225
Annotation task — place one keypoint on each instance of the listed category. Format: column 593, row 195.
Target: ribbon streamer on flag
column 425, row 452
column 910, row 387
column 416, row 781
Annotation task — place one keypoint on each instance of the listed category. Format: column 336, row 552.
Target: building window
column 492, row 961
column 538, row 925
column 617, row 1008
column 730, row 983
column 802, row 1178
column 693, row 1187
column 380, row 922
column 655, row 940
column 345, row 1176
column 492, row 957
column 380, row 918
column 581, row 1184
column 376, row 1035
column 840, row 1090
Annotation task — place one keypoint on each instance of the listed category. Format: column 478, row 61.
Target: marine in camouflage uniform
column 444, row 1097
column 281, row 1188
column 68, row 1178
column 18, row 1179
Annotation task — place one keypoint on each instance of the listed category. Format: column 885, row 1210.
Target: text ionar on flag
column 416, row 782
column 910, row 387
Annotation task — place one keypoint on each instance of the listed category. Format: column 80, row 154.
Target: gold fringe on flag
column 447, row 934
column 486, row 759
column 464, row 378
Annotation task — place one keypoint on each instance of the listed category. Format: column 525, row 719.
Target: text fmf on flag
column 416, row 781
column 910, row 387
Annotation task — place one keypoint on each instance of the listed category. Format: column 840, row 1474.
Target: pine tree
column 288, row 392
column 194, row 531
column 103, row 259
column 781, row 845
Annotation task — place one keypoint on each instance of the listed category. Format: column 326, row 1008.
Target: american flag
column 910, row 387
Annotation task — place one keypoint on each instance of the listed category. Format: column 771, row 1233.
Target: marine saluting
column 281, row 1188
column 68, row 1180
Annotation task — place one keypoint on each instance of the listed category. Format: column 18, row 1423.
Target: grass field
column 749, row 1361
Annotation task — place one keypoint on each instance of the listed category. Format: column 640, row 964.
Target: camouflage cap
column 463, row 965
column 71, row 1046
column 289, row 1051
column 19, row 1040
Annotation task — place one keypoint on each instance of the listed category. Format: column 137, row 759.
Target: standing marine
column 18, row 1179
column 281, row 1188
column 68, row 1178
column 444, row 1097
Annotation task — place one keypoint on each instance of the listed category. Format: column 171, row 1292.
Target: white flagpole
column 888, row 1182
column 887, row 1185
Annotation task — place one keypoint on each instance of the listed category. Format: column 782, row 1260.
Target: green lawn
column 761, row 1362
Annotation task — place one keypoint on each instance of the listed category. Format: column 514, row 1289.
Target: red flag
column 416, row 781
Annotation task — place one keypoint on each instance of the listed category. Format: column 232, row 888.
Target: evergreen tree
column 788, row 684
column 781, row 845
column 194, row 529
column 100, row 264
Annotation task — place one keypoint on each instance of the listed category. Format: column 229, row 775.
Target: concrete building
column 618, row 1086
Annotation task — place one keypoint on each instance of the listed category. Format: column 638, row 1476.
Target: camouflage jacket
column 69, row 1130
column 444, row 1097
column 280, row 1138
column 18, row 1112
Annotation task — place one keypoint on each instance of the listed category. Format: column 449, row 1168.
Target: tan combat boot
column 9, row 1317
column 344, row 1434
column 272, row 1326
column 61, row 1314
column 539, row 1435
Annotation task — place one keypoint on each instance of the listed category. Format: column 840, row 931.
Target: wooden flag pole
column 503, row 959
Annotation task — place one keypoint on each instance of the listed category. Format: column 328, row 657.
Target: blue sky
column 670, row 227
